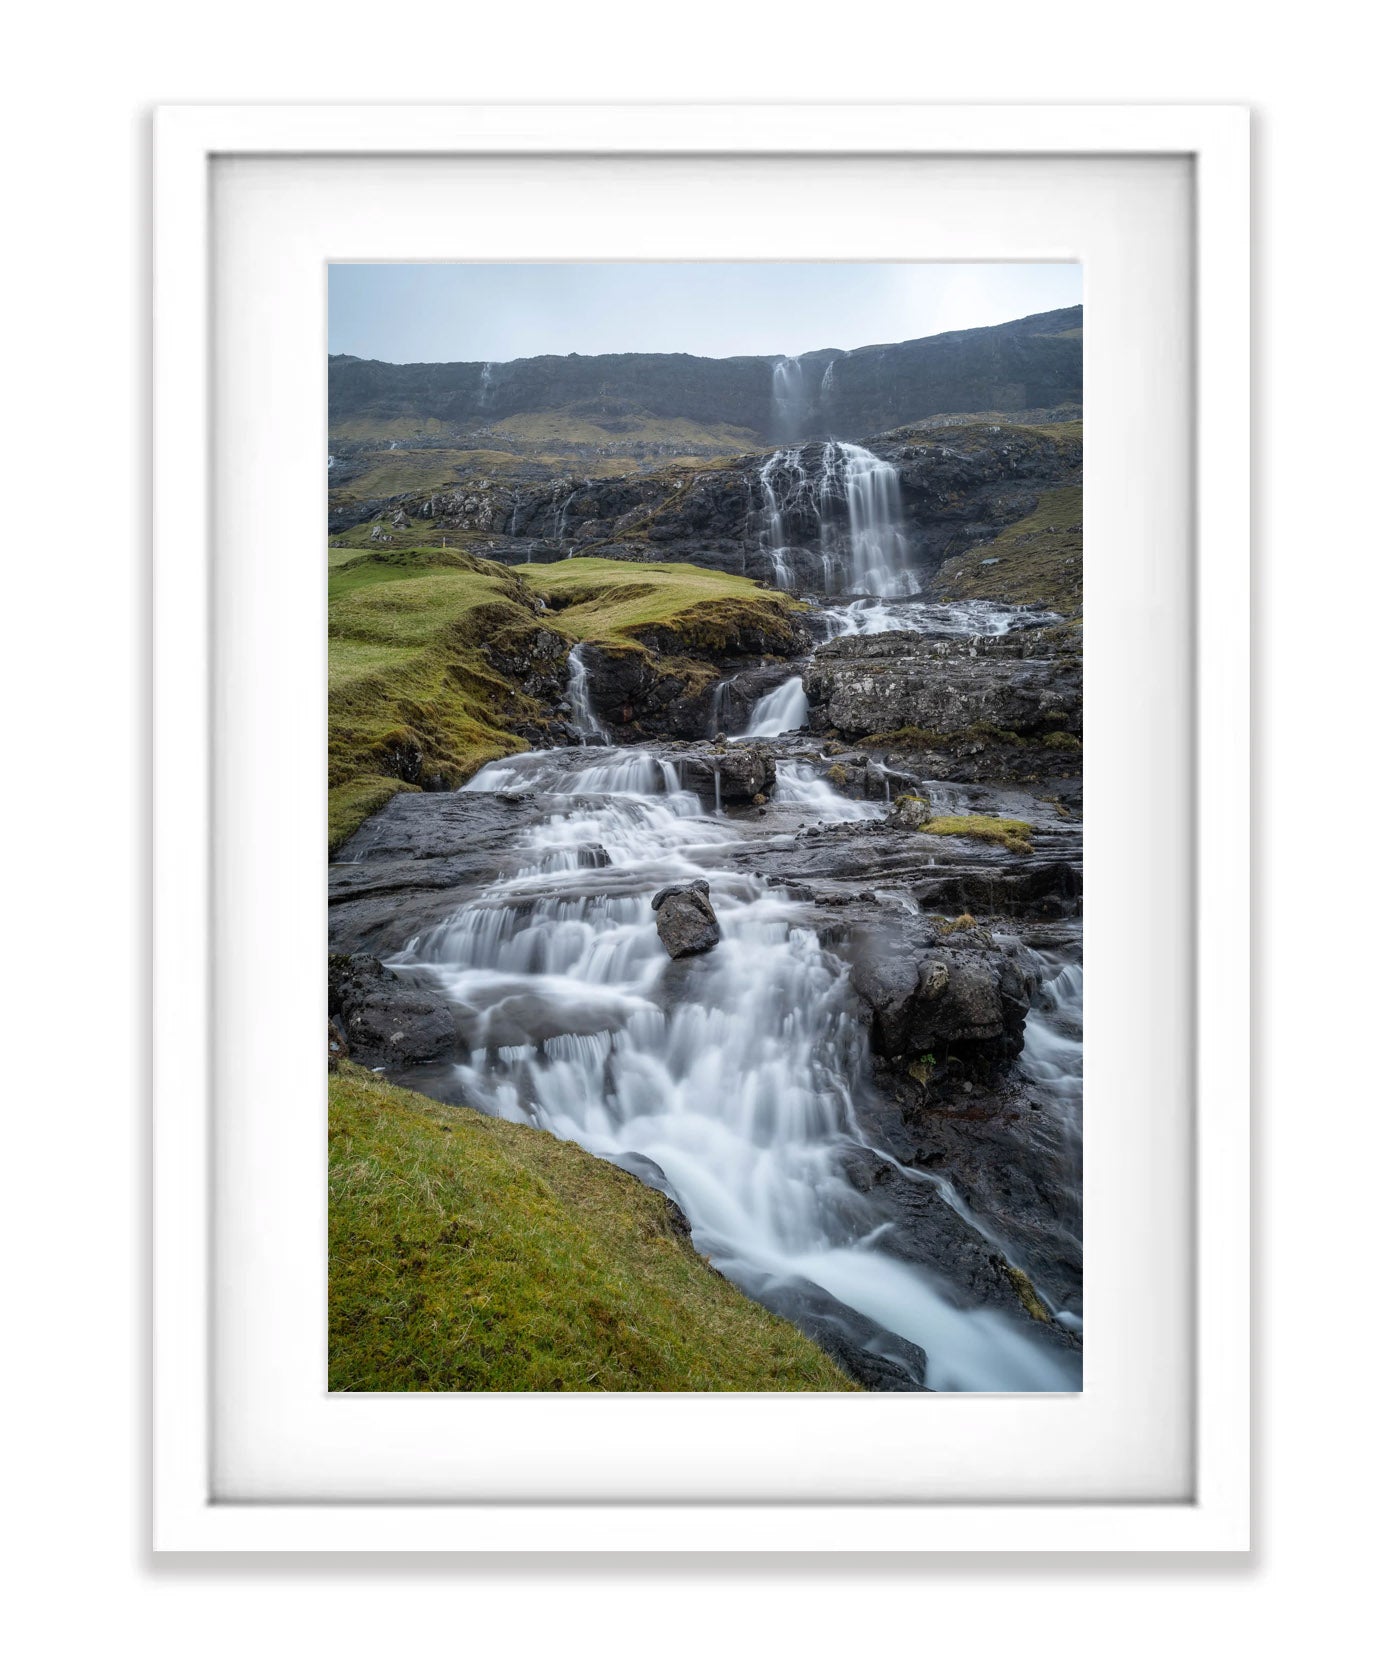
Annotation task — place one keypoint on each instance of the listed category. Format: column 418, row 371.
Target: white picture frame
column 189, row 1514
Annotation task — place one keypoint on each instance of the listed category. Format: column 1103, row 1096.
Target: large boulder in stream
column 385, row 1021
column 942, row 1000
column 685, row 919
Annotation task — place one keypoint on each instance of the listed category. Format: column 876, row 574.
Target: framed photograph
column 776, row 713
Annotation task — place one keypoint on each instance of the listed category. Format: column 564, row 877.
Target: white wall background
column 73, row 537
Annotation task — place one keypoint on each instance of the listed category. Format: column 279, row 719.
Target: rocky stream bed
column 860, row 1080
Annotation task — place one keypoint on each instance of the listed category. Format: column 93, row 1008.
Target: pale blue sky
column 494, row 312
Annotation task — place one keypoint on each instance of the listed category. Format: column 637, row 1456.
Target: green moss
column 413, row 697
column 628, row 604
column 467, row 1253
column 974, row 825
column 1025, row 1290
column 1060, row 741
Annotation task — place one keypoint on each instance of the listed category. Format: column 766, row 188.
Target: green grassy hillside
column 470, row 1253
column 417, row 697
column 1039, row 558
column 413, row 695
column 614, row 602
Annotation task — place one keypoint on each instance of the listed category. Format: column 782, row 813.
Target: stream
column 740, row 1080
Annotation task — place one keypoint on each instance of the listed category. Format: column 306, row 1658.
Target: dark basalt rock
column 746, row 770
column 685, row 920
column 386, row 1021
column 941, row 1000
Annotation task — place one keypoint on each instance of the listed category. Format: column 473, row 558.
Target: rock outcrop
column 685, row 920
column 384, row 1021
column 952, row 998
column 959, row 486
column 901, row 680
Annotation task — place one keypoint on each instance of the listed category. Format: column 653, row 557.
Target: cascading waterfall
column 787, row 462
column 868, row 489
column 739, row 1075
column 853, row 501
column 780, row 710
column 579, row 697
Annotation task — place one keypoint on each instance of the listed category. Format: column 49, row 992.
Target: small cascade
column 719, row 797
column 784, row 708
column 800, row 783
column 719, row 707
column 561, row 512
column 592, row 730
column 1054, row 1046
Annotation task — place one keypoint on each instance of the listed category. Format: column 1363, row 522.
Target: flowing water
column 739, row 1076
column 579, row 699
column 789, row 398
column 840, row 504
column 781, row 710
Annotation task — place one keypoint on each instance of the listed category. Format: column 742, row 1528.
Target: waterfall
column 579, row 697
column 783, row 708
column 824, row 395
column 719, row 709
column 801, row 784
column 789, row 399
column 853, row 504
column 740, row 1074
column 561, row 511
column 789, row 463
column 868, row 488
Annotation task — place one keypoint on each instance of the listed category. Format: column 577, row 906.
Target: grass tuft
column 1001, row 831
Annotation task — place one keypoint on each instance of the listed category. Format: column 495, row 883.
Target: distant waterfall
column 592, row 730
column 789, row 399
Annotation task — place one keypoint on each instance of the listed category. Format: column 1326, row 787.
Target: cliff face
column 1034, row 363
column 959, row 486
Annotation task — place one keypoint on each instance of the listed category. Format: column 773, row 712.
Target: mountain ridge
column 1033, row 362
